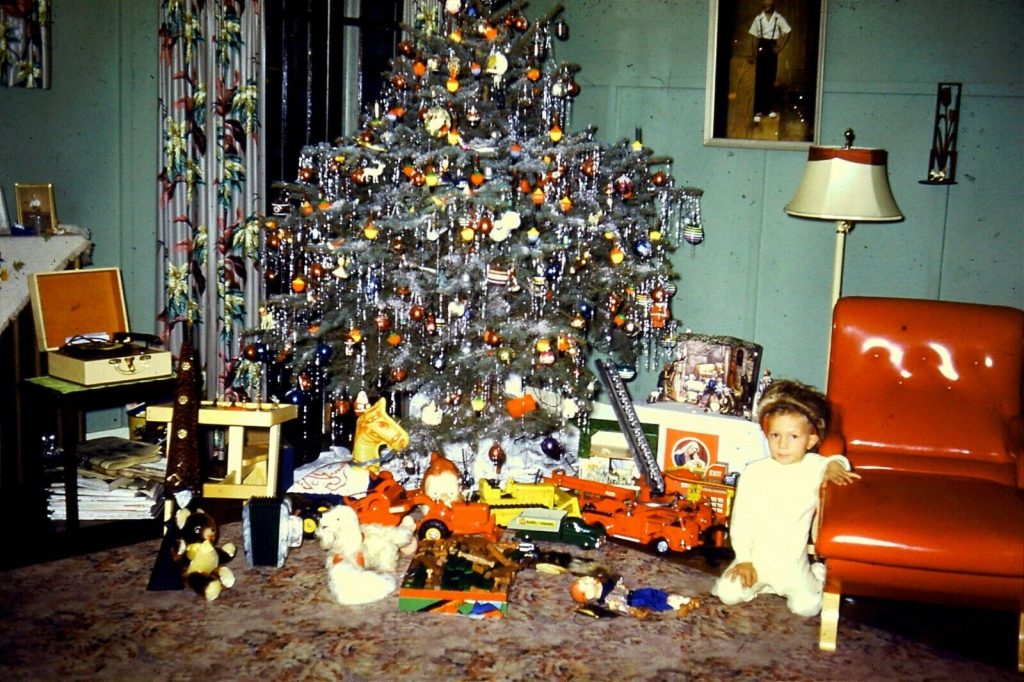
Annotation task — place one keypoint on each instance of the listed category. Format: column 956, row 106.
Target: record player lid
column 69, row 303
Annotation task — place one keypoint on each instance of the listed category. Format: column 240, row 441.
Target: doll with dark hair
column 776, row 500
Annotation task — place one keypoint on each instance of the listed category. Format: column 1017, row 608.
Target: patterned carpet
column 90, row 617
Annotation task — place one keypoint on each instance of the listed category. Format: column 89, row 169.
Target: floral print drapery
column 211, row 79
column 25, row 43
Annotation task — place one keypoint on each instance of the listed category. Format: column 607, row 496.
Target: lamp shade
column 845, row 183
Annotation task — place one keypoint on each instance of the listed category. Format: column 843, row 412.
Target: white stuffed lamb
column 361, row 560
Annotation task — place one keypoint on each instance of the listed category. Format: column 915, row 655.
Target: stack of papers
column 117, row 479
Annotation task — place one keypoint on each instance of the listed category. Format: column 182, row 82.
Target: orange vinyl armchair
column 927, row 407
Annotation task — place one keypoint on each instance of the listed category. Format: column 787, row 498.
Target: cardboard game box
column 88, row 305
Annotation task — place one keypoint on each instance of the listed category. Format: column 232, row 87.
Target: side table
column 68, row 402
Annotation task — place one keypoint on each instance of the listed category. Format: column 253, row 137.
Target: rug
column 90, row 617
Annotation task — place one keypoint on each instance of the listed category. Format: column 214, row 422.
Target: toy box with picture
column 698, row 452
column 716, row 373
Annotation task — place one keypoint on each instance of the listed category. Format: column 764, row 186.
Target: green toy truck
column 556, row 525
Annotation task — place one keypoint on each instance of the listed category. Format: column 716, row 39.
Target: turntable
column 82, row 323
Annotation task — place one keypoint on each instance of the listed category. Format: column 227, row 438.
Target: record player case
column 75, row 303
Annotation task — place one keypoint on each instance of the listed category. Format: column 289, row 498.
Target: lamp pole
column 843, row 227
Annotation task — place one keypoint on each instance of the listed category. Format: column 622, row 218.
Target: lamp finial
column 849, row 138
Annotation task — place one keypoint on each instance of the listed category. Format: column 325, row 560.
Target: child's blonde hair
column 792, row 397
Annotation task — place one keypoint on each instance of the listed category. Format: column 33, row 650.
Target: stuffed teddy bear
column 362, row 558
column 200, row 560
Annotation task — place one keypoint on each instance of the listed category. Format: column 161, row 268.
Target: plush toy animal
column 362, row 559
column 201, row 560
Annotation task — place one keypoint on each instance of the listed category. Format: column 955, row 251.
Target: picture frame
column 37, row 210
column 791, row 95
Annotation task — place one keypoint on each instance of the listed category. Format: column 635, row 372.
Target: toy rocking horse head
column 375, row 428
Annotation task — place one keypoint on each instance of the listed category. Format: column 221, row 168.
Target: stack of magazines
column 117, row 479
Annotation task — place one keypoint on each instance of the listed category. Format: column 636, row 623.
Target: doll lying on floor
column 608, row 596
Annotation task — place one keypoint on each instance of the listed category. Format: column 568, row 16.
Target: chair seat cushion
column 957, row 525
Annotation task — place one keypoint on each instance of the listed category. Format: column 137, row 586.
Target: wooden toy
column 253, row 441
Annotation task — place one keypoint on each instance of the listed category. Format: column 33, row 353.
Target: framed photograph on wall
column 37, row 210
column 765, row 62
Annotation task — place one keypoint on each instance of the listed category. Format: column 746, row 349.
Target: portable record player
column 82, row 323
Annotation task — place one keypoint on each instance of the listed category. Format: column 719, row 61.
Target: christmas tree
column 465, row 254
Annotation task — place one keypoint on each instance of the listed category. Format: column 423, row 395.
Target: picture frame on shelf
column 754, row 63
column 37, row 209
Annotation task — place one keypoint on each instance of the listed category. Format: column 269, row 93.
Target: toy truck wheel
column 434, row 530
column 661, row 546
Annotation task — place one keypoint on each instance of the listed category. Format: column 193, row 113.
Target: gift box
column 81, row 323
column 716, row 373
column 466, row 575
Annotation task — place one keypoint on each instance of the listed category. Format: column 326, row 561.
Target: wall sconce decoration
column 942, row 160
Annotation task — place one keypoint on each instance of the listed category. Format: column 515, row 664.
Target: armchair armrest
column 833, row 444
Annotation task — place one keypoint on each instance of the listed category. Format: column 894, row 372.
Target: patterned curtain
column 25, row 43
column 212, row 178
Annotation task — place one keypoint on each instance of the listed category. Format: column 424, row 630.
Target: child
column 776, row 500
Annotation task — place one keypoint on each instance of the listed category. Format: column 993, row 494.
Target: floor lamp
column 848, row 185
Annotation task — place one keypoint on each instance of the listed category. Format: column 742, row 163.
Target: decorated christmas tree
column 465, row 254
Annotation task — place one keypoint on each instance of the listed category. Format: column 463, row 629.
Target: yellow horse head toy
column 375, row 428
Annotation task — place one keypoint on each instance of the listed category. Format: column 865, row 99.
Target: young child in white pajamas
column 776, row 500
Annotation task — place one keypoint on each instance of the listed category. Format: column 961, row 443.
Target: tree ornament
column 394, row 339
column 624, row 186
column 693, row 234
column 497, row 456
column 251, row 353
column 616, row 255
column 659, row 179
column 643, row 248
column 555, row 131
column 491, row 337
column 299, row 284
column 551, row 448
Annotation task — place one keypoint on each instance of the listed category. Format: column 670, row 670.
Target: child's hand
column 836, row 473
column 745, row 572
